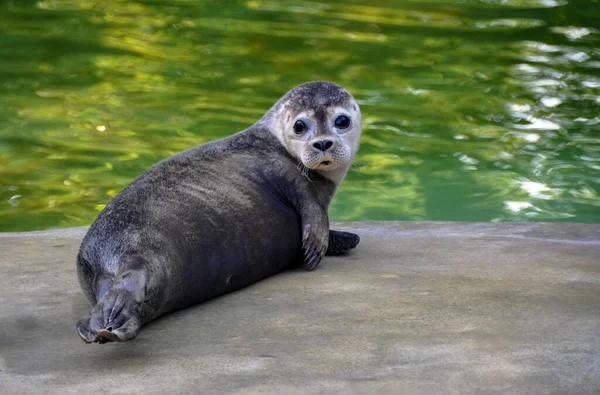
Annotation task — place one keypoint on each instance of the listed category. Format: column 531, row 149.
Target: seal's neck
column 336, row 176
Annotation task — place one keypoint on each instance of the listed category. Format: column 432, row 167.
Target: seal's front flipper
column 341, row 242
column 117, row 315
column 311, row 200
column 314, row 244
column 315, row 230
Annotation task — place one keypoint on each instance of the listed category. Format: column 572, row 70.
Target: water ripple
column 479, row 110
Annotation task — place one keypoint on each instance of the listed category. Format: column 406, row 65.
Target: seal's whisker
column 305, row 171
column 356, row 166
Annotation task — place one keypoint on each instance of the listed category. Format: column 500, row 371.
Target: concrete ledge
column 419, row 308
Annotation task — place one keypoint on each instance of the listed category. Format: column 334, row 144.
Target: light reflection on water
column 473, row 110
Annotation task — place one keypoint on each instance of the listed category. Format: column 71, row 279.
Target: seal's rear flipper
column 116, row 316
column 83, row 329
column 341, row 242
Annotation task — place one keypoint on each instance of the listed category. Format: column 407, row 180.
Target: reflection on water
column 477, row 110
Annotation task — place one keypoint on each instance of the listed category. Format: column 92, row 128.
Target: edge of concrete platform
column 577, row 233
column 48, row 234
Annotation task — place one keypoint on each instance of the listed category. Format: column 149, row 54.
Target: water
column 473, row 110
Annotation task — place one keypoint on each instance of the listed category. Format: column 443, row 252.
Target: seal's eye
column 299, row 127
column 342, row 122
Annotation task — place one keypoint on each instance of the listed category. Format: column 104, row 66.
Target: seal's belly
column 230, row 240
column 208, row 230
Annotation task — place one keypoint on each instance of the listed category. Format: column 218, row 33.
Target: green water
column 473, row 110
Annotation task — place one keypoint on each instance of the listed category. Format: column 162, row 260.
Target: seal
column 222, row 215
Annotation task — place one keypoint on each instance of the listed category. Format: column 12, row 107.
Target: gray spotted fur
column 207, row 221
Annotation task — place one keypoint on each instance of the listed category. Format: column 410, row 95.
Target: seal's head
column 320, row 124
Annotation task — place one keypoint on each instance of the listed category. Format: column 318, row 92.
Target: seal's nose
column 323, row 145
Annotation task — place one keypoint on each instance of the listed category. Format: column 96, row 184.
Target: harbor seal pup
column 222, row 215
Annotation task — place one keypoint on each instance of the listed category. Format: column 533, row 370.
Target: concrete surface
column 418, row 308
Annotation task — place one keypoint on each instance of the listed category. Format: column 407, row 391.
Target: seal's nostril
column 323, row 145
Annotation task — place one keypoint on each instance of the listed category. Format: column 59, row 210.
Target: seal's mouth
column 326, row 162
